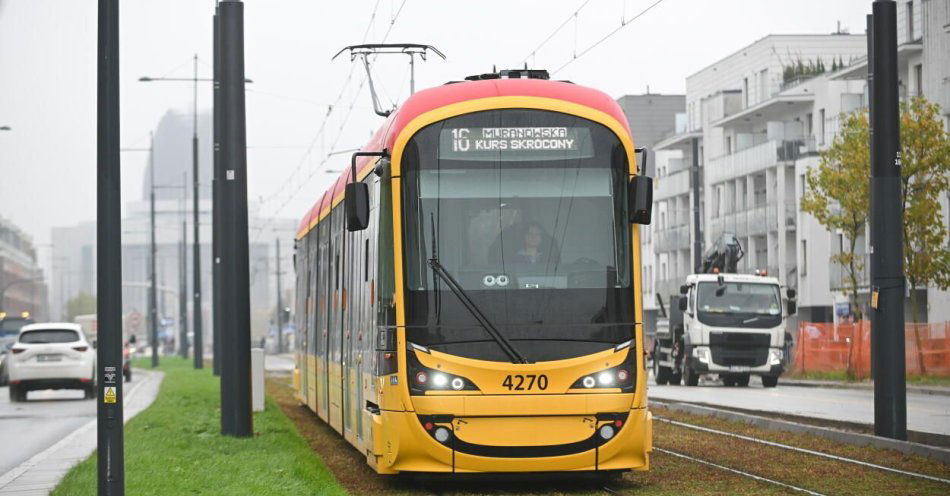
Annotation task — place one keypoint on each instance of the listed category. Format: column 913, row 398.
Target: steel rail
column 738, row 472
column 802, row 450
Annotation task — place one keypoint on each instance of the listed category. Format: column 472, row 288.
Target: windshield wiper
column 456, row 288
column 503, row 342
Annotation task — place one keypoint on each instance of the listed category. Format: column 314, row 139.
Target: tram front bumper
column 416, row 442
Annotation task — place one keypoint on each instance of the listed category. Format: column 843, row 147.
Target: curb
column 73, row 442
column 931, row 390
column 942, row 454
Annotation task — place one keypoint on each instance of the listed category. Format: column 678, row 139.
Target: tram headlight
column 622, row 376
column 442, row 435
column 423, row 379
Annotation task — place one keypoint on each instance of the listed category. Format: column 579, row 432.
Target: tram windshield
column 527, row 210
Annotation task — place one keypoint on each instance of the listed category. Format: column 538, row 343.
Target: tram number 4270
column 526, row 382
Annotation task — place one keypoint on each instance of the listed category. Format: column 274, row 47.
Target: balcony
column 756, row 221
column 672, row 184
column 672, row 238
column 839, row 279
column 755, row 159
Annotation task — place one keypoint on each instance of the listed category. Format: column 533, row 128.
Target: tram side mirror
column 356, row 205
column 641, row 199
column 682, row 304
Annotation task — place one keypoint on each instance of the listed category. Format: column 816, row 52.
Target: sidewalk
column 40, row 474
column 868, row 385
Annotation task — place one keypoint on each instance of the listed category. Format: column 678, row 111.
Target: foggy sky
column 48, row 76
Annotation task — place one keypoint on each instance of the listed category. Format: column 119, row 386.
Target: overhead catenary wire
column 334, row 144
column 556, row 31
column 624, row 23
column 323, row 124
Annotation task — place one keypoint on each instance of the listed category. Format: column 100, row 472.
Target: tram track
column 801, row 450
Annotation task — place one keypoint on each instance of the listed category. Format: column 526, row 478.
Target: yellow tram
column 470, row 300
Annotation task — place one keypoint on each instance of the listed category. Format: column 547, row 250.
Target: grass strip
column 175, row 447
column 842, row 376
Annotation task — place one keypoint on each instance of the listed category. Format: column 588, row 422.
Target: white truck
column 732, row 325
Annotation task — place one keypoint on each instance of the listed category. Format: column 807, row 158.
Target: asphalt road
column 48, row 416
column 925, row 412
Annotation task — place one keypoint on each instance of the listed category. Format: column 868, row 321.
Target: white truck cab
column 732, row 325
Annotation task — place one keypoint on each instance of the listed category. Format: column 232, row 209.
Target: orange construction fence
column 826, row 347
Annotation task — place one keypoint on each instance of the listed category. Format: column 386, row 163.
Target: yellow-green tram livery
column 471, row 303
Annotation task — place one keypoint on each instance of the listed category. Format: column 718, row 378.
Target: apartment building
column 652, row 117
column 755, row 122
column 752, row 120
column 22, row 282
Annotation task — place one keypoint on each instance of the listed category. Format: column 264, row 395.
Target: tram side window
column 303, row 294
column 313, row 287
column 385, row 310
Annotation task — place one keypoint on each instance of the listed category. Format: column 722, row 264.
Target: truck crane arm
column 724, row 255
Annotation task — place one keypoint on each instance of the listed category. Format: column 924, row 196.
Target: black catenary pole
column 152, row 255
column 887, row 243
column 697, row 232
column 196, row 263
column 216, row 203
column 183, row 272
column 280, row 305
column 235, row 279
column 109, row 433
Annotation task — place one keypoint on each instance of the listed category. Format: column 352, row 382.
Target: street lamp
column 196, row 265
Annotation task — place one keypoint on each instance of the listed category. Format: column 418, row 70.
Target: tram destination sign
column 515, row 143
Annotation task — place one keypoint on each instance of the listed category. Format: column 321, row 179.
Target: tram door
column 322, row 337
column 336, row 321
column 310, row 346
column 349, row 315
column 303, row 318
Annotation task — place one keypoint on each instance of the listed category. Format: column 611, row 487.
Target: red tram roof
column 448, row 94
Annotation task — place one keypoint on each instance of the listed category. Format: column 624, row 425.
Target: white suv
column 51, row 356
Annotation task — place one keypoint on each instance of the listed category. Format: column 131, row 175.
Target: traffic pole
column 183, row 273
column 236, row 418
column 697, row 231
column 280, row 306
column 109, row 428
column 196, row 263
column 887, row 243
column 216, row 203
column 152, row 255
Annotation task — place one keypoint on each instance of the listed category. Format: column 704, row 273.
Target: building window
column 804, row 187
column 728, row 145
column 821, row 127
column 910, row 20
column 919, row 77
column 745, row 92
column 804, row 267
column 808, row 125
